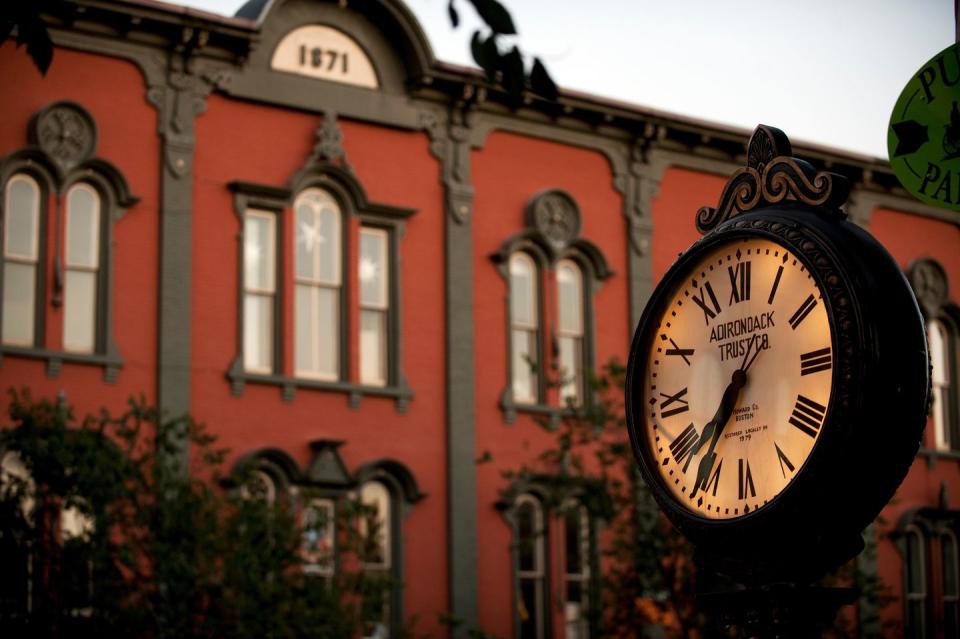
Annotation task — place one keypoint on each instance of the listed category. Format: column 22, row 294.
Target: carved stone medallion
column 556, row 216
column 929, row 283
column 66, row 132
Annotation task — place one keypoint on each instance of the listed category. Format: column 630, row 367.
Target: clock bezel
column 783, row 225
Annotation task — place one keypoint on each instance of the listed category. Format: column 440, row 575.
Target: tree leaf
column 454, row 16
column 541, row 82
column 486, row 54
column 39, row 44
column 495, row 15
column 514, row 79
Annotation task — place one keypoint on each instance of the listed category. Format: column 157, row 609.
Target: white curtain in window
column 317, row 281
column 21, row 250
column 82, row 260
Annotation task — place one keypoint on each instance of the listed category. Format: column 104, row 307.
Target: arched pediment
column 318, row 46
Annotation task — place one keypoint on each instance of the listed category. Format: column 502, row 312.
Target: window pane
column 522, row 290
column 914, row 563
column 574, row 542
column 317, row 237
column 936, row 338
column 258, row 333
column 83, row 227
column 373, row 268
column 318, row 539
column 80, row 311
column 570, row 367
column 527, row 516
column 375, row 524
column 316, row 329
column 949, row 544
column 529, row 609
column 570, row 298
column 258, row 257
column 524, row 366
column 22, row 217
column 951, row 625
column 373, row 352
column 19, row 291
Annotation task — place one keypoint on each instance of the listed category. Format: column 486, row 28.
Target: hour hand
column 703, row 472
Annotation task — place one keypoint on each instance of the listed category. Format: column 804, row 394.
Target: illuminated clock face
column 738, row 378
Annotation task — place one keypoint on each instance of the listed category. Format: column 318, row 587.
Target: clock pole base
column 777, row 611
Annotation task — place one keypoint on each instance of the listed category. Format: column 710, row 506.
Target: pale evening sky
column 824, row 71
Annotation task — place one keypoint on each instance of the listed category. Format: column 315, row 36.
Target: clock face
column 737, row 379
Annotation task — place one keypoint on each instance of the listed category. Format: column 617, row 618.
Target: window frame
column 540, row 575
column 276, row 295
column 40, row 260
column 385, row 308
column 355, row 213
column 584, row 352
column 340, row 286
column 102, row 254
column 581, row 625
column 945, row 406
column 921, row 596
column 115, row 197
column 534, row 328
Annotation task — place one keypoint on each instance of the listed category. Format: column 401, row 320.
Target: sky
column 824, row 71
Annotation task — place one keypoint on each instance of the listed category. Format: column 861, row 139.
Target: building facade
column 342, row 256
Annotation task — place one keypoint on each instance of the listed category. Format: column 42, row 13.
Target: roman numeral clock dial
column 738, row 378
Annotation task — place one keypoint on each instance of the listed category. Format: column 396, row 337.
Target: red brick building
column 339, row 254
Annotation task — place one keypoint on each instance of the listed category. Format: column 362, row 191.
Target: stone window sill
column 553, row 414
column 110, row 362
column 933, row 455
column 402, row 394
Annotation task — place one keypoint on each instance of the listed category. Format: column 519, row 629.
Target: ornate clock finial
column 774, row 176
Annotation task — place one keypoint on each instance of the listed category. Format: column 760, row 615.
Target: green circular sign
column 923, row 141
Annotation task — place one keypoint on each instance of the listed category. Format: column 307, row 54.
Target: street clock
column 778, row 380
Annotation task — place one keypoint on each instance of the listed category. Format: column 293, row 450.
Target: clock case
column 879, row 395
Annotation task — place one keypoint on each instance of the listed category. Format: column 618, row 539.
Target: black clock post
column 825, row 427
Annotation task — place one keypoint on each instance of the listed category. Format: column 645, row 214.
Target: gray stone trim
column 448, row 133
column 863, row 201
column 56, row 170
column 355, row 392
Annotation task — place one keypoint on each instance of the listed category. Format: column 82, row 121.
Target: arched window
column 530, row 551
column 82, row 276
column 317, row 283
column 950, row 596
column 570, row 330
column 576, row 570
column 15, row 556
column 942, row 342
column 21, row 260
column 524, row 328
column 915, row 584
column 376, row 532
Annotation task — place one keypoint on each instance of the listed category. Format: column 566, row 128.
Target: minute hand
column 715, row 427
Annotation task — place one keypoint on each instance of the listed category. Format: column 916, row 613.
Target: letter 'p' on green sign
column 924, row 136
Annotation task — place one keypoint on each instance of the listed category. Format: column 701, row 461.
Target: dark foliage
column 504, row 66
column 102, row 532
